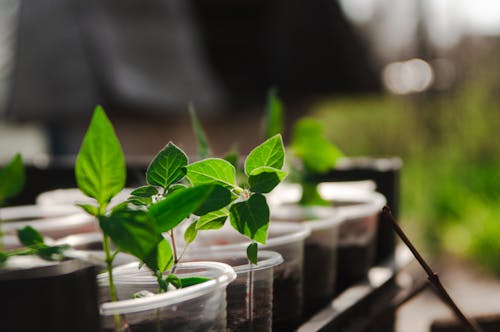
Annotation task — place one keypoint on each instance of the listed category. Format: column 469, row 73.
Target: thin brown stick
column 431, row 275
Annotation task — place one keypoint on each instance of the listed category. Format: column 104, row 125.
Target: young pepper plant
column 248, row 212
column 100, row 174
column 309, row 146
column 12, row 178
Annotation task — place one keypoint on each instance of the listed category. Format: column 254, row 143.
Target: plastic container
column 321, row 250
column 250, row 296
column 357, row 234
column 284, row 238
column 88, row 247
column 200, row 307
column 52, row 221
column 357, row 237
column 72, row 196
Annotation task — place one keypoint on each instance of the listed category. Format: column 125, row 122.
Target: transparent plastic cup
column 250, row 296
column 359, row 207
column 88, row 247
column 72, row 196
column 53, row 221
column 357, row 237
column 321, row 250
column 200, row 307
column 288, row 240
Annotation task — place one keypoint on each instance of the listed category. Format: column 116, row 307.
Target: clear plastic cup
column 357, row 237
column 288, row 240
column 250, row 296
column 88, row 247
column 72, row 196
column 52, row 221
column 200, row 307
column 321, row 250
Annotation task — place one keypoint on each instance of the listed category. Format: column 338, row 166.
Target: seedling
column 34, row 244
column 12, row 180
column 309, row 146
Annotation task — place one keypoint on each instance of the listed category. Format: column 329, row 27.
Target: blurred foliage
column 451, row 152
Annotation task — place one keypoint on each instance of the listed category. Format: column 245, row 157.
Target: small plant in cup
column 12, row 180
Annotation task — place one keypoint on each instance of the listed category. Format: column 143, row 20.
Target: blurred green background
column 450, row 147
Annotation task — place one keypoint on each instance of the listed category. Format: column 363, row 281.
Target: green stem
column 310, row 194
column 112, row 289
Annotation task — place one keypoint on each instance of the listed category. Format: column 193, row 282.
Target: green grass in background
column 450, row 146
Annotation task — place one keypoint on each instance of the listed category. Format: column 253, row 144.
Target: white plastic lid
column 223, row 275
column 314, row 217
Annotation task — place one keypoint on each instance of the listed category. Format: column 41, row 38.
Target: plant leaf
column 252, row 251
column 167, row 167
column 12, row 178
column 232, row 157
column 177, row 206
column 51, row 252
column 133, row 232
column 190, row 233
column 90, row 209
column 310, row 144
column 274, row 114
column 100, row 166
column 201, row 138
column 212, row 170
column 270, row 153
column 218, row 198
column 145, row 191
column 29, row 236
column 264, row 179
column 191, row 281
column 251, row 217
column 174, row 280
column 139, row 201
column 213, row 220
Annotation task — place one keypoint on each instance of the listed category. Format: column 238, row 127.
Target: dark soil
column 237, row 306
column 287, row 296
column 179, row 324
column 353, row 265
column 319, row 276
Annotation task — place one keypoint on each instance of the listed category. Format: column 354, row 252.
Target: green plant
column 204, row 191
column 12, row 180
column 311, row 152
column 34, row 244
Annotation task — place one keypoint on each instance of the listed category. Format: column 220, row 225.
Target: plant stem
column 250, row 296
column 174, row 248
column 112, row 289
column 431, row 275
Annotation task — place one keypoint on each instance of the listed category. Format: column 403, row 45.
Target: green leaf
column 169, row 212
column 167, row 167
column 264, row 179
column 175, row 187
column 51, row 252
column 251, row 217
column 90, row 209
column 191, row 281
column 145, row 191
column 100, row 166
column 162, row 258
column 218, row 198
column 212, row 170
column 139, row 201
column 252, row 250
column 310, row 144
column 274, row 114
column 12, row 178
column 270, row 153
column 29, row 236
column 174, row 280
column 3, row 257
column 133, row 231
column 190, row 233
column 213, row 220
column 201, row 139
